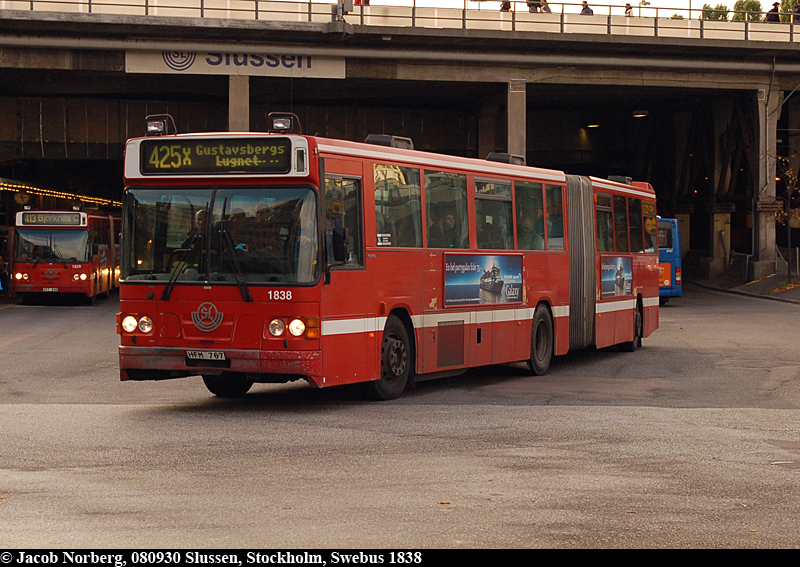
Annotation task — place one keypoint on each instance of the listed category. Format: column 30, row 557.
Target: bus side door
column 349, row 329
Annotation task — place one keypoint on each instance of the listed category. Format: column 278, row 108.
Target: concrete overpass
column 704, row 110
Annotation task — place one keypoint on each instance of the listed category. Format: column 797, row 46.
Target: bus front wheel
column 397, row 363
column 227, row 386
column 541, row 341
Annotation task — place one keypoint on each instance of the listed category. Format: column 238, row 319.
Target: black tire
column 541, row 341
column 638, row 331
column 397, row 363
column 227, row 386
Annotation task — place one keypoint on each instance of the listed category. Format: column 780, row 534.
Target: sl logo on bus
column 207, row 317
column 50, row 274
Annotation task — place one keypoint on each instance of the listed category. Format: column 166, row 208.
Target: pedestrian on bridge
column 772, row 15
column 796, row 14
column 586, row 10
column 534, row 5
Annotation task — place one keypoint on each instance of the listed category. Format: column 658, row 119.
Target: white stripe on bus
column 352, row 326
column 611, row 306
column 650, row 302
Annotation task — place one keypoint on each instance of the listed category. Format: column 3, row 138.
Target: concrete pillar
column 792, row 106
column 720, row 243
column 239, row 103
column 684, row 223
column 517, row 105
column 487, row 125
column 768, row 111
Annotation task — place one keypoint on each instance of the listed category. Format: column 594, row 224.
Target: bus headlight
column 276, row 327
column 129, row 324
column 297, row 327
column 145, row 324
column 83, row 277
column 21, row 276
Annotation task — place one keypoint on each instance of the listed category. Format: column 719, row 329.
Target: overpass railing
column 644, row 20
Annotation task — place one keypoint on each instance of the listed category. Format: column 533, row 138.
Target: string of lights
column 22, row 187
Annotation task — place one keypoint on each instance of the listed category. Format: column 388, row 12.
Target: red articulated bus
column 271, row 257
column 64, row 252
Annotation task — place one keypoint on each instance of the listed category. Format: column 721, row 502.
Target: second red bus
column 59, row 252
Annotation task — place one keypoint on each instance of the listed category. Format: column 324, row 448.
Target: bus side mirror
column 341, row 244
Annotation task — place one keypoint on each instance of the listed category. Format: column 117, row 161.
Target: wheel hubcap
column 395, row 358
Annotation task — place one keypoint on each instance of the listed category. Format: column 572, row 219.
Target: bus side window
column 493, row 220
column 555, row 217
column 446, row 209
column 530, row 215
column 398, row 208
column 343, row 208
column 605, row 224
column 621, row 224
column 635, row 217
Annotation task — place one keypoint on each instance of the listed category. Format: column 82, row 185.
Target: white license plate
column 49, row 289
column 205, row 355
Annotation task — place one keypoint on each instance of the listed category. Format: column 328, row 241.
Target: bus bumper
column 20, row 288
column 163, row 363
column 671, row 291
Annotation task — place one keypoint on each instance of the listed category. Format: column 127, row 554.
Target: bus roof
column 430, row 159
column 637, row 188
column 364, row 150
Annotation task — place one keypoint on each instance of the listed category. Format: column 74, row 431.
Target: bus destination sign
column 51, row 219
column 220, row 155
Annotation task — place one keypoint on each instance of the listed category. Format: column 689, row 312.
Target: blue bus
column 669, row 255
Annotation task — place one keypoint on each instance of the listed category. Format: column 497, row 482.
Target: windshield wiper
column 57, row 253
column 179, row 265
column 237, row 270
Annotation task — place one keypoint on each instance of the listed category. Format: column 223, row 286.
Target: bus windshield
column 221, row 235
column 44, row 245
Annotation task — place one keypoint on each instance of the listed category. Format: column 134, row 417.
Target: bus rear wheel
column 638, row 331
column 227, row 386
column 541, row 341
column 397, row 363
